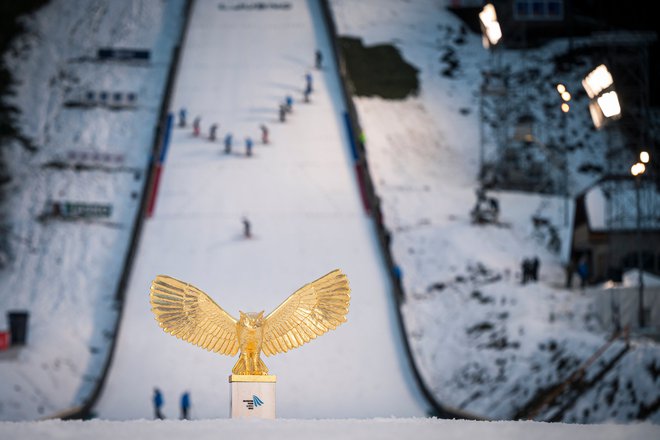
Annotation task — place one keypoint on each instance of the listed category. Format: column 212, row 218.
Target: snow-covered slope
column 65, row 273
column 484, row 342
column 302, row 200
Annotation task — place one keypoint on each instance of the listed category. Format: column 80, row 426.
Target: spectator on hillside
column 583, row 271
column 570, row 271
column 534, row 268
column 495, row 209
column 526, row 270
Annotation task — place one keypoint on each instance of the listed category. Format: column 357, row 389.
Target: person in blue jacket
column 248, row 146
column 185, row 404
column 182, row 117
column 308, row 79
column 583, row 271
column 158, row 404
column 228, row 143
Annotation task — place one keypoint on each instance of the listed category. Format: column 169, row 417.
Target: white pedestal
column 252, row 397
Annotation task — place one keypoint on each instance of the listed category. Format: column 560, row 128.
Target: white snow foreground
column 349, row 429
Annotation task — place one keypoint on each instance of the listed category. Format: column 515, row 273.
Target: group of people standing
column 228, row 140
column 530, row 269
column 582, row 269
column 285, row 108
column 158, row 401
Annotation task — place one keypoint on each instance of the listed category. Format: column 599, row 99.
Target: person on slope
column 212, row 132
column 158, row 404
column 228, row 140
column 196, row 126
column 248, row 146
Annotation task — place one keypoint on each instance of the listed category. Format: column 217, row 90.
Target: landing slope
column 302, row 200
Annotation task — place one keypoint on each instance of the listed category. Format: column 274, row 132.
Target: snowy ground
column 325, row 429
column 65, row 273
column 482, row 341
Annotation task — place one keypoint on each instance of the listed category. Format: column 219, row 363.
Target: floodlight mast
column 491, row 36
column 637, row 170
column 597, row 80
column 604, row 105
column 565, row 108
column 490, row 27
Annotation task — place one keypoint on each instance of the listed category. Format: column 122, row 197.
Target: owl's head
column 252, row 319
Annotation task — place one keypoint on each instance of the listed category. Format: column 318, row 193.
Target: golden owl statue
column 186, row 312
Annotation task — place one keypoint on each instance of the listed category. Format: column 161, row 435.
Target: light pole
column 565, row 97
column 637, row 170
column 491, row 36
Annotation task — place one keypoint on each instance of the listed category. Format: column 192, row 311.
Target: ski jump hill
column 238, row 63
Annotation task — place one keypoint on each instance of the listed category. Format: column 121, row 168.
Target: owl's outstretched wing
column 186, row 312
column 312, row 310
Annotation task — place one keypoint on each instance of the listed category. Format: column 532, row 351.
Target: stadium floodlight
column 604, row 104
column 637, row 169
column 644, row 157
column 490, row 27
column 598, row 80
column 609, row 104
column 596, row 115
column 565, row 96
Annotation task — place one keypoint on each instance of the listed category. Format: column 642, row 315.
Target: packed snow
column 351, row 429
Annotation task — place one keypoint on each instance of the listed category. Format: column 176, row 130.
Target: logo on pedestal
column 252, row 403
